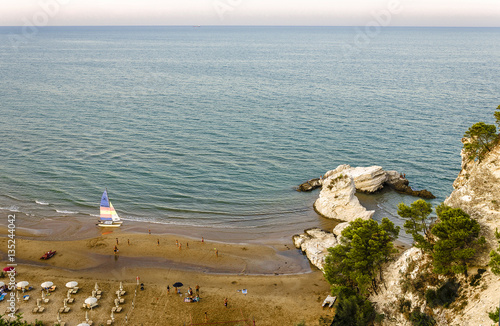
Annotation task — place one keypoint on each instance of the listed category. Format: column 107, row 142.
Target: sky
column 480, row 13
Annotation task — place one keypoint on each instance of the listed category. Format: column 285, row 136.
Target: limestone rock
column 337, row 230
column 477, row 192
column 337, row 200
column 315, row 243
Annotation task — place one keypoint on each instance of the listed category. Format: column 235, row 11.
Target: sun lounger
column 35, row 310
column 26, row 297
column 66, row 310
column 41, row 309
column 98, row 292
column 2, row 296
column 46, row 300
column 52, row 288
column 116, row 309
column 120, row 293
column 75, row 290
column 71, row 300
column 98, row 296
column 329, row 301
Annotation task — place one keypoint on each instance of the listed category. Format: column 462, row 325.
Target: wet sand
column 282, row 287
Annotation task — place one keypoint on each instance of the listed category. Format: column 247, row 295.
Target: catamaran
column 109, row 217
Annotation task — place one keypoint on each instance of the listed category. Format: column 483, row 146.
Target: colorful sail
column 108, row 212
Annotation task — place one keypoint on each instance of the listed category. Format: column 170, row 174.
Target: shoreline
column 280, row 281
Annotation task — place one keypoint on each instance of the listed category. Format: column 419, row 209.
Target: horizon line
column 249, row 25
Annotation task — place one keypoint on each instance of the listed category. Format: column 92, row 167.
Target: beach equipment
column 2, row 284
column 83, row 324
column 71, row 284
column 8, row 268
column 108, row 217
column 47, row 285
column 90, row 300
column 22, row 284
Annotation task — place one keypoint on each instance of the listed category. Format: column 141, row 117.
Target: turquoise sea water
column 214, row 126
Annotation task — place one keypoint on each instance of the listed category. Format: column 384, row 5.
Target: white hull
column 112, row 225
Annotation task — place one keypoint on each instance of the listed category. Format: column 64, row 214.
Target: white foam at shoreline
column 39, row 202
column 65, row 212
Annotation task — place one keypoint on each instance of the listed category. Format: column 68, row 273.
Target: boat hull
column 110, row 225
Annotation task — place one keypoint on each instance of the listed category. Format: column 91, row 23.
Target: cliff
column 477, row 192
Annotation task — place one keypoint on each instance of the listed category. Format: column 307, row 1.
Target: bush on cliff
column 481, row 138
column 458, row 240
column 353, row 309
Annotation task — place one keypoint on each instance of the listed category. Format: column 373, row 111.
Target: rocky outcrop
column 477, row 192
column 402, row 186
column 310, row 185
column 337, row 200
column 315, row 243
column 369, row 179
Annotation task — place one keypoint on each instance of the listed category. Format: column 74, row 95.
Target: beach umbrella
column 121, row 286
column 86, row 315
column 46, row 285
column 22, row 284
column 96, row 287
column 177, row 285
column 2, row 284
column 90, row 300
column 8, row 268
column 71, row 284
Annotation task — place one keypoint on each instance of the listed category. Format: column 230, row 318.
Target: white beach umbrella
column 2, row 284
column 22, row 284
column 58, row 317
column 86, row 315
column 96, row 287
column 90, row 300
column 47, row 284
column 71, row 284
column 121, row 286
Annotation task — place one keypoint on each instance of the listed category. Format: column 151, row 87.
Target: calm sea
column 214, row 126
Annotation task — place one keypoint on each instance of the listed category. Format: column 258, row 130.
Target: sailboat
column 109, row 217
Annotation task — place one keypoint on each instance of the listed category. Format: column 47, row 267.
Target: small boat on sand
column 108, row 217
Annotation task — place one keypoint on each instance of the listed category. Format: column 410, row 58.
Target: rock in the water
column 315, row 243
column 402, row 186
column 337, row 230
column 310, row 185
column 337, row 200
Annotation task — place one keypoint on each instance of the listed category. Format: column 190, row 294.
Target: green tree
column 352, row 309
column 481, row 138
column 366, row 246
column 495, row 257
column 497, row 116
column 418, row 223
column 457, row 240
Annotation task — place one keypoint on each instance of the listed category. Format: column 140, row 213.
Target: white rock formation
column 477, row 192
column 314, row 243
column 366, row 179
column 337, row 199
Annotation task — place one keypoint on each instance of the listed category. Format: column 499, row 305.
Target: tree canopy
column 481, row 138
column 458, row 240
column 417, row 222
column 497, row 116
column 356, row 261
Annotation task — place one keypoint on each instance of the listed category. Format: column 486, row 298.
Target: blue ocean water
column 214, row 126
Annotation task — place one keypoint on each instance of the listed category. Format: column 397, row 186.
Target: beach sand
column 282, row 288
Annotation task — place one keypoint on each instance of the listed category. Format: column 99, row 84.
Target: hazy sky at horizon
column 251, row 12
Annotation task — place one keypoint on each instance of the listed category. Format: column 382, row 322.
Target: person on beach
column 187, row 245
column 180, row 246
column 202, row 240
column 225, row 302
column 128, row 242
column 190, row 291
column 206, row 316
column 197, row 289
column 149, row 231
column 168, row 289
column 158, row 241
column 115, row 250
column 177, row 243
column 116, row 240
column 216, row 252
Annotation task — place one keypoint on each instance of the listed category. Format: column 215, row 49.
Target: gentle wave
column 65, row 212
column 39, row 202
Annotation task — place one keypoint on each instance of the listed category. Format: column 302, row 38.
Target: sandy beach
column 281, row 287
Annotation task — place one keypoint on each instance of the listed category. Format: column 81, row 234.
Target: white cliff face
column 315, row 243
column 337, row 200
column 477, row 192
column 366, row 179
